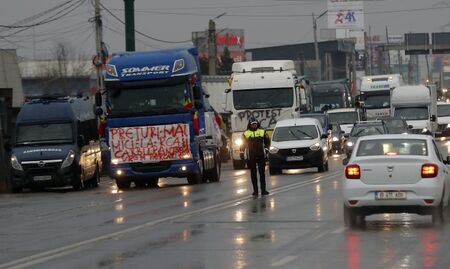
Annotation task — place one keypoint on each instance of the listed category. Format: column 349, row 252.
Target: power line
column 143, row 34
column 291, row 15
column 52, row 18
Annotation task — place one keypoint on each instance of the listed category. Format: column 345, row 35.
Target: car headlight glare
column 15, row 163
column 315, row 146
column 69, row 159
column 335, row 139
column 424, row 130
column 349, row 144
column 238, row 142
column 273, row 149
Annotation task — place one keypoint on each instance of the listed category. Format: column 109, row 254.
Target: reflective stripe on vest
column 257, row 133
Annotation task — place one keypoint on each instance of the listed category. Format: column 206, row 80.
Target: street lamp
column 316, row 45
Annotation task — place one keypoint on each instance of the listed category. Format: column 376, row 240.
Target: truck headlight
column 335, row 139
column 15, row 163
column 315, row 147
column 273, row 149
column 238, row 142
column 69, row 159
column 424, row 130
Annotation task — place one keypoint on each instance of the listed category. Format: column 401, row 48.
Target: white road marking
column 63, row 251
column 284, row 261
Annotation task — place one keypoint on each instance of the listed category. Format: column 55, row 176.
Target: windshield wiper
column 307, row 136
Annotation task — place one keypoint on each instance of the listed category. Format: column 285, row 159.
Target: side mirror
column 98, row 99
column 342, row 132
column 80, row 141
column 324, row 136
column 447, row 161
column 410, row 126
column 98, row 111
column 227, row 90
column 345, row 161
column 433, row 118
column 346, row 135
column 197, row 93
column 330, row 127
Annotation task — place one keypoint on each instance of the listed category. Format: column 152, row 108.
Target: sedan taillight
column 429, row 170
column 352, row 171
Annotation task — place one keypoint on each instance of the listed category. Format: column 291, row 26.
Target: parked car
column 336, row 140
column 395, row 173
column 397, row 126
column 363, row 128
column 298, row 143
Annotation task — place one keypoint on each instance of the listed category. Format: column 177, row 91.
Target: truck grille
column 150, row 167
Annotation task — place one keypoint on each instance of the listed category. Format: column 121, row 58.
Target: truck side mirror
column 197, row 93
column 98, row 98
column 410, row 126
column 198, row 104
column 98, row 111
column 80, row 141
column 433, row 118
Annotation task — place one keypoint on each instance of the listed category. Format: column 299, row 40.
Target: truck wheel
column 194, row 179
column 238, row 164
column 214, row 173
column 15, row 188
column 140, row 183
column 153, row 182
column 123, row 184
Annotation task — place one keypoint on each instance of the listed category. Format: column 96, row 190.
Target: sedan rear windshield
column 392, row 147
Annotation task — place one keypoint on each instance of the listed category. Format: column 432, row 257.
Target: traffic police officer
column 257, row 143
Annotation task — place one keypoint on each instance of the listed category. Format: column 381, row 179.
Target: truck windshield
column 263, row 98
column 155, row 100
column 343, row 117
column 443, row 110
column 331, row 95
column 44, row 133
column 377, row 101
column 411, row 113
column 305, row 132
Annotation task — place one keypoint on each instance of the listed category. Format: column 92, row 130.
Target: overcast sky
column 265, row 22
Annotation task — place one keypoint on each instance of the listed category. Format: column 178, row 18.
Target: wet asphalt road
column 214, row 225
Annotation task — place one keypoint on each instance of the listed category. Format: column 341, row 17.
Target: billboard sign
column 233, row 39
column 345, row 14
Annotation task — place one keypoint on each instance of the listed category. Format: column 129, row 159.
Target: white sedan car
column 395, row 174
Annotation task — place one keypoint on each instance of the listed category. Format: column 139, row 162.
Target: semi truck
column 374, row 94
column 266, row 90
column 330, row 94
column 417, row 105
column 158, row 123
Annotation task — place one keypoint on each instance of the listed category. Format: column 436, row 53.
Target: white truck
column 417, row 105
column 375, row 94
column 266, row 90
column 345, row 117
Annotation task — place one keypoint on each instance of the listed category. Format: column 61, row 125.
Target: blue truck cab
column 158, row 123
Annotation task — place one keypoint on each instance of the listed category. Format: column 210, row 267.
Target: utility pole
column 316, row 45
column 129, row 25
column 388, row 52
column 98, row 44
column 212, row 48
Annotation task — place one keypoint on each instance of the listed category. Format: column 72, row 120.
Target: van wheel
column 123, row 184
column 78, row 184
column 15, row 188
column 140, row 183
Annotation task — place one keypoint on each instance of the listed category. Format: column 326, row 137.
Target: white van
column 298, row 143
column 345, row 117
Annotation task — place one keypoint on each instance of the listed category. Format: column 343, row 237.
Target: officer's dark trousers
column 261, row 168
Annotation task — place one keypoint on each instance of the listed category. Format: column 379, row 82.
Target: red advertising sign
column 149, row 143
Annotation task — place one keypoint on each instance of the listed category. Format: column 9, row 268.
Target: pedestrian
column 256, row 143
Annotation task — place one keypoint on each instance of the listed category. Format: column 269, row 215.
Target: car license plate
column 390, row 195
column 294, row 158
column 42, row 178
